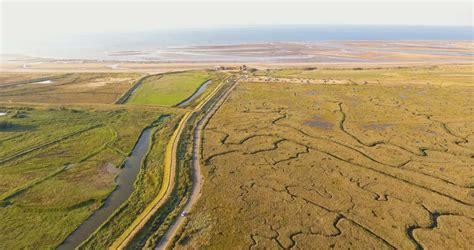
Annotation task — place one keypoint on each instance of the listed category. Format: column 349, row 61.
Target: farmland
column 340, row 158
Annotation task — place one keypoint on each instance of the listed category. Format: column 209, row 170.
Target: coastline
column 257, row 55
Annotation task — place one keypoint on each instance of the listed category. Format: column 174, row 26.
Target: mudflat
column 259, row 55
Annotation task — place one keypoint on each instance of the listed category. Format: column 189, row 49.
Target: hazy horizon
column 67, row 18
column 100, row 45
column 84, row 29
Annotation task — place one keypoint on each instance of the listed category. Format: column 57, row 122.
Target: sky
column 30, row 21
column 36, row 18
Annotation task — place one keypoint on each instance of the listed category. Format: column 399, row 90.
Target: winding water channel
column 125, row 181
column 195, row 94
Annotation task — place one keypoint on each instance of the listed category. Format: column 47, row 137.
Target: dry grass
column 64, row 88
column 345, row 166
column 388, row 75
column 15, row 78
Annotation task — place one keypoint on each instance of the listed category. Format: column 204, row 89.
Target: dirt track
column 169, row 172
column 169, row 180
column 167, row 239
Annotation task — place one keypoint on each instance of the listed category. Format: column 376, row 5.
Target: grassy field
column 64, row 88
column 58, row 164
column 357, row 164
column 168, row 89
column 425, row 75
column 7, row 79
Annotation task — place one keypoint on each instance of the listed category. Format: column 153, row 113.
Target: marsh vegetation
column 339, row 156
column 57, row 166
column 380, row 158
column 64, row 88
column 60, row 156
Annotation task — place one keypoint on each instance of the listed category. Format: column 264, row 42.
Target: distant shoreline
column 277, row 53
column 147, row 45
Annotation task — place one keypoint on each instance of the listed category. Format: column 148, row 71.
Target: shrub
column 5, row 124
column 19, row 114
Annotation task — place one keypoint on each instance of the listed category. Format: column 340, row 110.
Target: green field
column 168, row 89
column 57, row 165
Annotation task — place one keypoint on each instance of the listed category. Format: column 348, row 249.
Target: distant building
column 219, row 67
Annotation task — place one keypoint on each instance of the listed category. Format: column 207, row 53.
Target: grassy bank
column 147, row 187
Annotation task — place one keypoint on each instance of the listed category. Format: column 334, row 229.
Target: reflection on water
column 43, row 82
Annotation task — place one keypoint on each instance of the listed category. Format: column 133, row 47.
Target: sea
column 100, row 46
